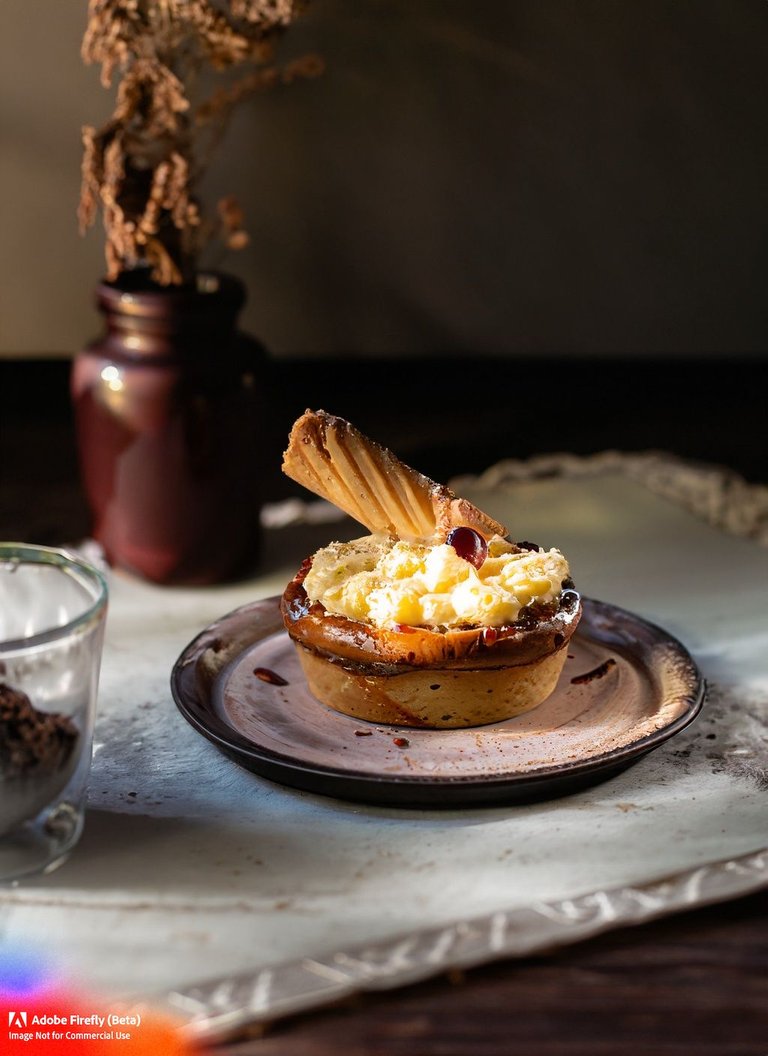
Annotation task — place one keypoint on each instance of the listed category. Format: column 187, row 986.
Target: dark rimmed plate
column 627, row 687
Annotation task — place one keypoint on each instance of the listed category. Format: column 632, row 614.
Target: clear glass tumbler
column 52, row 612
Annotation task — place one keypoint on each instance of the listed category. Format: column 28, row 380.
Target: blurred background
column 488, row 230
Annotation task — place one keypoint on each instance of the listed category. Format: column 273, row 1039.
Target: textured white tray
column 193, row 870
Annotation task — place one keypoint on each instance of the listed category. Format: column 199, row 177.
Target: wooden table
column 689, row 985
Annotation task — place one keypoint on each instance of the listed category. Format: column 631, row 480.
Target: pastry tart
column 434, row 619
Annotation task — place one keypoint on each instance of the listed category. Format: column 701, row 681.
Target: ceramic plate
column 627, row 686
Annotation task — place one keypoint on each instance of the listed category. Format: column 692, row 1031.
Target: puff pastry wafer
column 336, row 461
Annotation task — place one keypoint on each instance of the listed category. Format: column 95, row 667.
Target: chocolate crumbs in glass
column 32, row 742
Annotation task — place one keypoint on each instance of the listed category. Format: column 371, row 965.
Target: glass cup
column 52, row 612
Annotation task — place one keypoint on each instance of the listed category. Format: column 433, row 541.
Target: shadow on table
column 138, row 855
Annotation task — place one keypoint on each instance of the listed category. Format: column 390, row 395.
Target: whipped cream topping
column 389, row 582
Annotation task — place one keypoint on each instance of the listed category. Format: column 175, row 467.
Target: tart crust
column 414, row 676
column 438, row 698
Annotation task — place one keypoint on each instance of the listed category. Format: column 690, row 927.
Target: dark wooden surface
column 692, row 985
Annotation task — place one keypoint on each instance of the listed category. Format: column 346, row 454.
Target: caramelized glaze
column 541, row 631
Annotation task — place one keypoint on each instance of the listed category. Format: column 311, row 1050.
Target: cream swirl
column 388, row 582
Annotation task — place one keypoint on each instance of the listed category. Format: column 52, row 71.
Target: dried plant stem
column 142, row 167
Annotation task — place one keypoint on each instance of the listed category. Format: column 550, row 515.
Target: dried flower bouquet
column 142, row 168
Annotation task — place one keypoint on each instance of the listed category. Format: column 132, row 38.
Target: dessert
column 435, row 618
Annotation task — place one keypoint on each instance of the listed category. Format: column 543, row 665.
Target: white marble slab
column 191, row 867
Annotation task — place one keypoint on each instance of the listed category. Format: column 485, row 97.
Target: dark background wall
column 506, row 177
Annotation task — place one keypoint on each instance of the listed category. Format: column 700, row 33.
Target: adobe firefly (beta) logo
column 17, row 1019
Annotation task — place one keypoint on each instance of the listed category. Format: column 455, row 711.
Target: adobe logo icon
column 17, row 1019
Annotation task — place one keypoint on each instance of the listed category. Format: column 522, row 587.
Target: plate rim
column 236, row 745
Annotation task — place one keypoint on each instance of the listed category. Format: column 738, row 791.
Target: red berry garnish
column 469, row 545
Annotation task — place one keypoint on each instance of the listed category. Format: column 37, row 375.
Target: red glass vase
column 168, row 409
